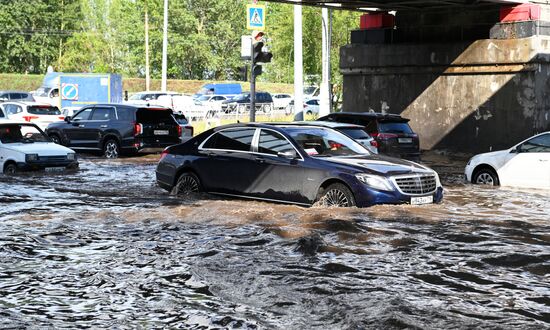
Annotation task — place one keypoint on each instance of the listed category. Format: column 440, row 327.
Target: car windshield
column 43, row 110
column 138, row 96
column 395, row 127
column 42, row 92
column 21, row 133
column 240, row 97
column 325, row 142
column 204, row 98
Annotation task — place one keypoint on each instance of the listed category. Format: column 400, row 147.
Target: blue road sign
column 69, row 92
column 255, row 17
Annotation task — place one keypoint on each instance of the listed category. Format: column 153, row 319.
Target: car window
column 103, row 114
column 321, row 142
column 125, row 114
column 2, row 114
column 83, row 115
column 234, row 139
column 540, row 143
column 219, row 98
column 155, row 116
column 272, row 143
column 43, row 110
column 385, row 127
column 12, row 109
column 355, row 133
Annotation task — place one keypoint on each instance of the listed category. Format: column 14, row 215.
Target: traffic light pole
column 252, row 89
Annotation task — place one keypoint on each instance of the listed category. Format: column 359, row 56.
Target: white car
column 151, row 97
column 311, row 107
column 39, row 113
column 281, row 101
column 525, row 165
column 25, row 147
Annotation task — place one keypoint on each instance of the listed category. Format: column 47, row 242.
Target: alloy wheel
column 111, row 149
column 336, row 197
column 187, row 184
column 485, row 178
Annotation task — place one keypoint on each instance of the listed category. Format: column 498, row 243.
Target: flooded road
column 105, row 248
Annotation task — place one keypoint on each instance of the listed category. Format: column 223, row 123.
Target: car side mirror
column 291, row 154
column 68, row 119
column 516, row 150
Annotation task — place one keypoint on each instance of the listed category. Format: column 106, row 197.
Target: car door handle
column 81, row 126
column 103, row 126
column 260, row 159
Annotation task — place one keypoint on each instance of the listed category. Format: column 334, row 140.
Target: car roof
column 377, row 115
column 271, row 125
column 156, row 92
column 28, row 103
column 17, row 122
column 330, row 124
column 134, row 106
column 13, row 91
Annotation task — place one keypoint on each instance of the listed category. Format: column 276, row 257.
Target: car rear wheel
column 486, row 176
column 309, row 113
column 10, row 168
column 337, row 195
column 187, row 183
column 111, row 149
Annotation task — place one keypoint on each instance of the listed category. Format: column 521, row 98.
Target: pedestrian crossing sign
column 255, row 17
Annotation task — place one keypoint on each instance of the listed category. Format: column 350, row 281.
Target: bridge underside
column 391, row 5
column 471, row 75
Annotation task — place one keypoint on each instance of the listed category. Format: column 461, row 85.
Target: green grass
column 30, row 82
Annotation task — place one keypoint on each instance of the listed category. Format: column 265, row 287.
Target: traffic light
column 258, row 54
column 243, row 73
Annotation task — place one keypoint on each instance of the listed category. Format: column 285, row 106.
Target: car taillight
column 180, row 130
column 61, row 117
column 164, row 154
column 29, row 118
column 138, row 129
column 383, row 136
column 374, row 143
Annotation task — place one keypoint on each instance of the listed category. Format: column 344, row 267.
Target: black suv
column 117, row 128
column 264, row 102
column 392, row 132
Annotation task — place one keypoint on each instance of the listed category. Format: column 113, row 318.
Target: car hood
column 40, row 148
column 381, row 165
column 494, row 155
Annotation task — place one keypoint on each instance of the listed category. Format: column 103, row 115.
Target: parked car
column 311, row 107
column 148, row 97
column 39, row 113
column 292, row 163
column 392, row 132
column 25, row 147
column 311, row 92
column 281, row 101
column 117, row 128
column 15, row 96
column 186, row 129
column 527, row 164
column 241, row 103
column 356, row 132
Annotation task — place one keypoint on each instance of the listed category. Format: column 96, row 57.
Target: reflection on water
column 105, row 248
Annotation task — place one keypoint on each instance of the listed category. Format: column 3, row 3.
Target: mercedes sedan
column 293, row 163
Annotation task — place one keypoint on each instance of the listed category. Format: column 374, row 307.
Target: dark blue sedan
column 293, row 163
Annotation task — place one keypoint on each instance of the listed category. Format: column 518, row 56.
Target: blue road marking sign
column 255, row 17
column 69, row 92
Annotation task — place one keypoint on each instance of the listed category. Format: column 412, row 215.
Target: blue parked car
column 293, row 163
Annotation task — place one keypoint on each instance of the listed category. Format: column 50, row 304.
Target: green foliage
column 204, row 38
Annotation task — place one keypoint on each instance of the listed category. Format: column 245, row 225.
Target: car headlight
column 375, row 181
column 71, row 156
column 437, row 181
column 31, row 157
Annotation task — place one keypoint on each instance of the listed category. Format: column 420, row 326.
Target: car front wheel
column 55, row 138
column 486, row 176
column 337, row 195
column 10, row 168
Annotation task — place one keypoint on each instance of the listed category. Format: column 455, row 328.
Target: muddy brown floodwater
column 105, row 248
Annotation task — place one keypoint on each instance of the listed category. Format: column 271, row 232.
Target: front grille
column 417, row 184
column 52, row 158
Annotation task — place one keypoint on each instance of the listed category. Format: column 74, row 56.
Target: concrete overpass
column 472, row 75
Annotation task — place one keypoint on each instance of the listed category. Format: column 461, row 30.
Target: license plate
column 422, row 200
column 161, row 132
column 405, row 140
column 55, row 169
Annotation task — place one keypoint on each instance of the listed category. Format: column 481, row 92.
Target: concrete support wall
column 464, row 95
